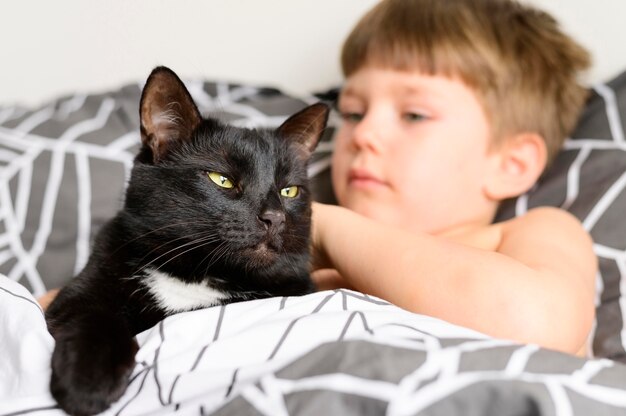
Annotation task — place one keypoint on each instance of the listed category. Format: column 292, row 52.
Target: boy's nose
column 367, row 135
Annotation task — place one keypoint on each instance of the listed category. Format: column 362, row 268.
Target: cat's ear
column 167, row 112
column 306, row 126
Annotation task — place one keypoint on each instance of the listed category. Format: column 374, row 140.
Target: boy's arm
column 536, row 288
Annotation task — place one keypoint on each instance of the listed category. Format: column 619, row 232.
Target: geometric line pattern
column 310, row 355
column 63, row 168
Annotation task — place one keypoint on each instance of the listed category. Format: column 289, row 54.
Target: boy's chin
column 379, row 211
column 393, row 215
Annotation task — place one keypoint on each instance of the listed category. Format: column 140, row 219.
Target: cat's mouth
column 263, row 254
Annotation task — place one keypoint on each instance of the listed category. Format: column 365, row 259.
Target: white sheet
column 206, row 357
column 25, row 347
column 262, row 357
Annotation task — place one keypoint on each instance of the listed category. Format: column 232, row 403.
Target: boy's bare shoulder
column 545, row 223
column 550, row 239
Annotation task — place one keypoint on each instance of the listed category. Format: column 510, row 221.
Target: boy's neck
column 483, row 236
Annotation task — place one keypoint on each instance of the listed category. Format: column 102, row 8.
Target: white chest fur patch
column 174, row 295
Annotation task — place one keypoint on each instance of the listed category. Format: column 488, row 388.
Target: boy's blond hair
column 524, row 69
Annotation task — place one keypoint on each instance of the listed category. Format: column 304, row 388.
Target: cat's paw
column 91, row 365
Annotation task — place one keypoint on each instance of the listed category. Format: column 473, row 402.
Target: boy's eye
column 221, row 180
column 290, row 191
column 414, row 117
column 351, row 117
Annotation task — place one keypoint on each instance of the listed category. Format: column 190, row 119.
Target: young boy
column 450, row 107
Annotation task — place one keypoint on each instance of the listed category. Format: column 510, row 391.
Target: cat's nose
column 272, row 219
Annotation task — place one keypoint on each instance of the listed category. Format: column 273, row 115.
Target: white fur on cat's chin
column 173, row 295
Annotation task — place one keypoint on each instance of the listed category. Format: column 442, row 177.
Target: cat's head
column 214, row 196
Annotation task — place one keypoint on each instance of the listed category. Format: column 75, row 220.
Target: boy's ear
column 167, row 112
column 517, row 164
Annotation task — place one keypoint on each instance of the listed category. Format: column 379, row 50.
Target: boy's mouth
column 360, row 178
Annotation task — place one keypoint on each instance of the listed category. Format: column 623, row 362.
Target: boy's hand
column 46, row 299
column 322, row 270
column 329, row 279
column 319, row 220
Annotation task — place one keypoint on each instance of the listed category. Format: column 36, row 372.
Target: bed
column 63, row 168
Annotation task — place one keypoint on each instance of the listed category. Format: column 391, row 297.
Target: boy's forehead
column 401, row 83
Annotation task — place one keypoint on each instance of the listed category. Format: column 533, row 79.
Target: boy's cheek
column 339, row 184
column 340, row 165
column 341, row 142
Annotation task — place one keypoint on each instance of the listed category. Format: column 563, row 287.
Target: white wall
column 62, row 46
column 600, row 25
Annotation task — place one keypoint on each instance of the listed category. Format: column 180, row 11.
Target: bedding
column 62, row 174
column 332, row 352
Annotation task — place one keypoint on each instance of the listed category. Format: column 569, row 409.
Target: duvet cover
column 63, row 168
column 329, row 353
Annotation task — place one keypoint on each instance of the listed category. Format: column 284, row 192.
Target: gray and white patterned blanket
column 329, row 353
column 62, row 174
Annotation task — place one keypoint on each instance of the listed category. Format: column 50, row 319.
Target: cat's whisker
column 212, row 254
column 205, row 240
column 139, row 289
column 218, row 253
column 287, row 259
column 179, row 254
column 156, row 230
column 194, row 245
column 201, row 233
column 289, row 262
column 224, row 253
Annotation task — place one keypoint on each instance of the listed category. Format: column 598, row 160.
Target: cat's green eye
column 290, row 191
column 221, row 180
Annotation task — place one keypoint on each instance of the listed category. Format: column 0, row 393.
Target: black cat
column 213, row 214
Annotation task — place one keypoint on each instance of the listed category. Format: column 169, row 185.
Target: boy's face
column 413, row 151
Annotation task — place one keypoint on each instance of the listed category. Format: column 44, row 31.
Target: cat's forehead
column 244, row 141
column 259, row 147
